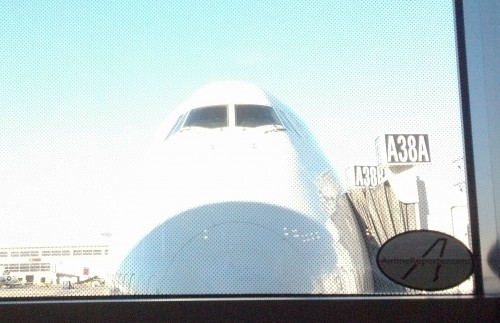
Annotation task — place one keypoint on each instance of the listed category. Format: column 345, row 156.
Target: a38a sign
column 407, row 148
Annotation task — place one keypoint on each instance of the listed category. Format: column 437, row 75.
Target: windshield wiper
column 276, row 128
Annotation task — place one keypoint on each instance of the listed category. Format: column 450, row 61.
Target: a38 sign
column 368, row 175
column 406, row 148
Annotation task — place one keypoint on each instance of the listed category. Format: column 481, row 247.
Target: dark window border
column 469, row 157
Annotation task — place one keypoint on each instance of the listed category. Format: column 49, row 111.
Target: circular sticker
column 425, row 260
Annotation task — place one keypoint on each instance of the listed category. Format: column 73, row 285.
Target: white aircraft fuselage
column 229, row 201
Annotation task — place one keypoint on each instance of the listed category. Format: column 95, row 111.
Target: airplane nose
column 260, row 249
column 238, row 258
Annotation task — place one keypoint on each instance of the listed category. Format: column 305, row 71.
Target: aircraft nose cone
column 237, row 258
column 230, row 248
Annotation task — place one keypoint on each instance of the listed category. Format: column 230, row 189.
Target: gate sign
column 425, row 260
column 367, row 176
column 406, row 148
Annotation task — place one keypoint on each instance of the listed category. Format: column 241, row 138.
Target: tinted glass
column 255, row 116
column 209, row 117
column 88, row 198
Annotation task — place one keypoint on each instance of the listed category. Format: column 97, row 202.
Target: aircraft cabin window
column 177, row 125
column 288, row 124
column 208, row 117
column 255, row 116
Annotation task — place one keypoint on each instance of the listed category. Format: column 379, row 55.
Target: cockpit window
column 255, row 116
column 207, row 117
column 177, row 125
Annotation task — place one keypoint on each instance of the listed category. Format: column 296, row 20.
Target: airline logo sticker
column 425, row 260
column 402, row 149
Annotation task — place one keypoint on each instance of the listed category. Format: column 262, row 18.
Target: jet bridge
column 382, row 212
column 385, row 208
